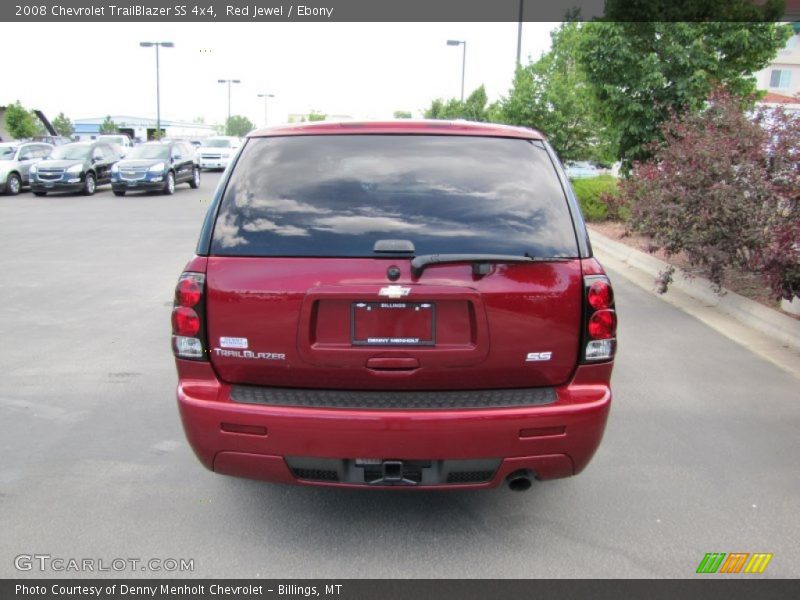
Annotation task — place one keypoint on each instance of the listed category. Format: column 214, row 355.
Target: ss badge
column 538, row 356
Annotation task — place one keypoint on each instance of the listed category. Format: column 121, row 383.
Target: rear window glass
column 336, row 195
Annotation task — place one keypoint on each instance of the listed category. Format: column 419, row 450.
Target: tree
column 474, row 108
column 402, row 114
column 316, row 116
column 238, row 125
column 554, row 95
column 63, row 125
column 439, row 110
column 643, row 72
column 108, row 125
column 724, row 189
column 20, row 122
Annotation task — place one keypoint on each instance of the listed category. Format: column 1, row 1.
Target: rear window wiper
column 480, row 262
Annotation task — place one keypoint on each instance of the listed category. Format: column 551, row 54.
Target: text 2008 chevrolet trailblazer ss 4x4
column 394, row 305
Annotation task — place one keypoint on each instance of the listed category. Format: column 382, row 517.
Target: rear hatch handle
column 392, row 363
column 480, row 262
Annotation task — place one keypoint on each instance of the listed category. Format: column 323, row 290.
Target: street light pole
column 463, row 68
column 158, row 81
column 519, row 33
column 229, row 82
column 463, row 61
column 265, row 96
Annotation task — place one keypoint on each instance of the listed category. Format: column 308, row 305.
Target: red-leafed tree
column 778, row 257
column 724, row 189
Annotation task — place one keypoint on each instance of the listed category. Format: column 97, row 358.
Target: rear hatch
column 332, row 266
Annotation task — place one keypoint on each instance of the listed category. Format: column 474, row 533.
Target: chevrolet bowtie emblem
column 394, row 291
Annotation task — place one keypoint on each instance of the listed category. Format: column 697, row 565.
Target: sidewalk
column 767, row 332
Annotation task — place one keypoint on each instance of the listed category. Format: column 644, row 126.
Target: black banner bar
column 304, row 11
column 382, row 10
column 710, row 588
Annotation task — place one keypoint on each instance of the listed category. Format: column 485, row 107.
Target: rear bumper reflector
column 542, row 431
column 248, row 429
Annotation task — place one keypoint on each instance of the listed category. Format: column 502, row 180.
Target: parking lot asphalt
column 700, row 454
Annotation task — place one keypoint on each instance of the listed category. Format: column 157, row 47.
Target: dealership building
column 139, row 128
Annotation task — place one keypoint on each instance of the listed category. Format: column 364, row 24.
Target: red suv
column 394, row 305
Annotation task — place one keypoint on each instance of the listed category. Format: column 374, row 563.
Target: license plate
column 48, row 185
column 132, row 184
column 393, row 324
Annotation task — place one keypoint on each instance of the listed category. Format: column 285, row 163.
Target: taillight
column 600, row 295
column 599, row 341
column 189, row 292
column 185, row 321
column 188, row 318
column 602, row 325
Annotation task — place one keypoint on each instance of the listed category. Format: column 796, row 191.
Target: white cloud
column 266, row 225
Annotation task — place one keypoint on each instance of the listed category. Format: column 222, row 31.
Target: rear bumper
column 246, row 440
column 221, row 163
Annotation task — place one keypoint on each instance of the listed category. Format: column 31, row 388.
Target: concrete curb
column 781, row 328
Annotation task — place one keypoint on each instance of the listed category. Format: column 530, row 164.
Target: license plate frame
column 393, row 341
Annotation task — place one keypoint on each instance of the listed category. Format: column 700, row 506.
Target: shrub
column 594, row 194
column 723, row 189
column 778, row 257
column 617, row 208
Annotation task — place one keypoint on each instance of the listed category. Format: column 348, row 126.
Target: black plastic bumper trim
column 383, row 400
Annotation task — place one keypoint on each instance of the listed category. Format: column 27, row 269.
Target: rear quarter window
column 336, row 195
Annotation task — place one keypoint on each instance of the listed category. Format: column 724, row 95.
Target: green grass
column 590, row 192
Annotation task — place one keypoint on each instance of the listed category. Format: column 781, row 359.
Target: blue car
column 77, row 167
column 156, row 167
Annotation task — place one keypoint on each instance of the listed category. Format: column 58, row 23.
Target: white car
column 121, row 141
column 16, row 160
column 216, row 152
column 581, row 170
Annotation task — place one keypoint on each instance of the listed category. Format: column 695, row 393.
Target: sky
column 364, row 70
